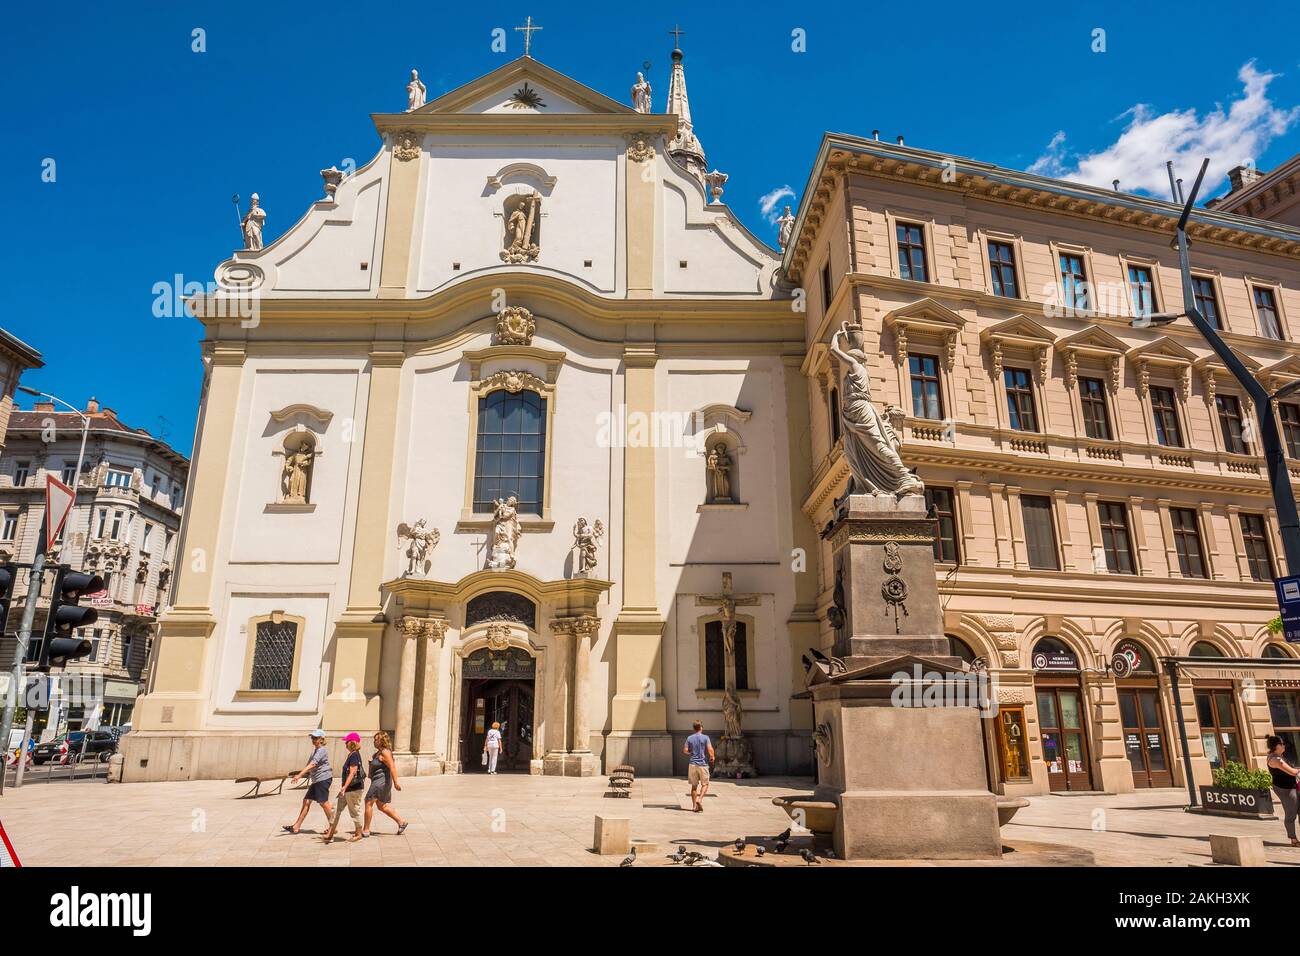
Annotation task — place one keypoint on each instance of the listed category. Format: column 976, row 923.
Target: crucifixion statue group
column 735, row 755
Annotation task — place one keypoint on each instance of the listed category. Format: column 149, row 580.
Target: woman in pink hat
column 354, row 781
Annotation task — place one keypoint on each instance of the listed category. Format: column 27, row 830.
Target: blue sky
column 151, row 139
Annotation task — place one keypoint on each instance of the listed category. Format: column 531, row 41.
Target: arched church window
column 510, row 454
column 273, row 655
column 715, row 657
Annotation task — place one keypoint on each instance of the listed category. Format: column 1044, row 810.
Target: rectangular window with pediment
column 1092, row 398
column 510, row 454
column 1022, row 414
column 1289, row 413
column 1164, row 411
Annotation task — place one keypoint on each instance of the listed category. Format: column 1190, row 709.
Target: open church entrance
column 498, row 685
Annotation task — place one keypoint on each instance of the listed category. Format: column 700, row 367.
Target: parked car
column 99, row 745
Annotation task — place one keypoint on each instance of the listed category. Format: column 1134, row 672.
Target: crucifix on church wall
column 726, row 602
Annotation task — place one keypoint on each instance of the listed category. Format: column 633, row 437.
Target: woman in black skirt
column 319, row 773
column 383, row 779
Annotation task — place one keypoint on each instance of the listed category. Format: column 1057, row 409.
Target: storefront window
column 1275, row 652
column 1284, row 709
column 1205, row 649
column 1214, row 712
column 1014, row 743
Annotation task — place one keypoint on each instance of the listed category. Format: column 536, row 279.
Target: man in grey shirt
column 700, row 751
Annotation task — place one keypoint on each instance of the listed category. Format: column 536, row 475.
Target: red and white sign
column 7, row 855
column 100, row 599
column 59, row 499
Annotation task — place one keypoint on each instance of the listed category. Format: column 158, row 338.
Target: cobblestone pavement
column 475, row 820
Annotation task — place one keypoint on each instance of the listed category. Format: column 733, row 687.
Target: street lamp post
column 18, row 677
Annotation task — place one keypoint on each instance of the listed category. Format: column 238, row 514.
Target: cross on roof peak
column 527, row 30
column 676, row 33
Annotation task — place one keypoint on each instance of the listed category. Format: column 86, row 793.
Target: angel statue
column 585, row 539
column 421, row 541
column 870, row 443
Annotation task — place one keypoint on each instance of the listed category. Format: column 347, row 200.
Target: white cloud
column 767, row 203
column 1137, row 159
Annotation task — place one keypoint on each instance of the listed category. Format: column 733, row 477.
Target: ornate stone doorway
column 498, row 685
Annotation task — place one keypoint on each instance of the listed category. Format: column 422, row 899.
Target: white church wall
column 461, row 219
column 720, row 257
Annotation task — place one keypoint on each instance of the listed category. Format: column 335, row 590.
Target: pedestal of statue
column 735, row 758
column 896, row 717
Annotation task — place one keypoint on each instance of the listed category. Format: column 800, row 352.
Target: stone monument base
column 735, row 758
column 569, row 765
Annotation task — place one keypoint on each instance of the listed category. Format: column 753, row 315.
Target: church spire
column 684, row 148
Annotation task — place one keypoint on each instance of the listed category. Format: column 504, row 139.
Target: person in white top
column 492, row 746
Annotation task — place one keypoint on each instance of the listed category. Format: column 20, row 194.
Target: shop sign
column 1236, row 803
column 1055, row 661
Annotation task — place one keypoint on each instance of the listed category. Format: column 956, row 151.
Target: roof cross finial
column 527, row 31
column 676, row 33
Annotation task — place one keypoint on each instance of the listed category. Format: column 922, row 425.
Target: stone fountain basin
column 1007, row 807
column 818, row 815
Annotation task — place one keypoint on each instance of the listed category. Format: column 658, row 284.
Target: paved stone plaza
column 543, row 821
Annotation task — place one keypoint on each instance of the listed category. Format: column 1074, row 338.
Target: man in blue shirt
column 700, row 751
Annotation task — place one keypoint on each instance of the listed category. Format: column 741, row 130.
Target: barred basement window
column 273, row 655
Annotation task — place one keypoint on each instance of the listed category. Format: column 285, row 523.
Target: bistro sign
column 1223, row 802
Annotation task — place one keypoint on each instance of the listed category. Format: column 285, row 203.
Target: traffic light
column 61, row 643
column 7, row 579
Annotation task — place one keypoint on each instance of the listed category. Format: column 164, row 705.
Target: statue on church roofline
column 641, row 94
column 415, row 92
column 785, row 226
column 870, row 443
column 252, row 224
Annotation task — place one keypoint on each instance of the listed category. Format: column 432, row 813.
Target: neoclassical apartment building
column 123, row 526
column 1097, row 481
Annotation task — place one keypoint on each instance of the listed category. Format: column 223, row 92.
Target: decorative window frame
column 892, row 220
column 1017, row 243
column 934, row 325
column 297, row 416
column 1216, row 280
column 1273, row 285
column 1127, row 259
column 515, row 376
column 1100, row 351
column 1167, row 354
column 1090, row 274
column 1212, row 373
column 751, row 662
column 250, row 649
column 1274, row 377
column 1020, row 335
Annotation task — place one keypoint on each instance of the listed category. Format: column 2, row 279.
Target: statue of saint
column 870, row 443
column 719, row 465
column 585, row 539
column 505, row 534
column 297, row 472
column 421, row 541
column 415, row 91
column 252, row 223
column 521, row 229
column 641, row 94
column 785, row 225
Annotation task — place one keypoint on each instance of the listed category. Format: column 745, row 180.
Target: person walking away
column 383, row 779
column 352, row 793
column 1284, row 784
column 319, row 773
column 492, row 746
column 699, row 748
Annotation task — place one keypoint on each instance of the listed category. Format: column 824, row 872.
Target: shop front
column 1062, row 728
column 1145, row 742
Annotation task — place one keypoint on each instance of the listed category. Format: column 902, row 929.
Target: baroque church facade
column 518, row 392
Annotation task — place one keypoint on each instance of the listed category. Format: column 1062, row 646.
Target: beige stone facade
column 1072, row 515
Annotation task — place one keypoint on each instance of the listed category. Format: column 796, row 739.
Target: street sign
column 59, row 499
column 1288, row 602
